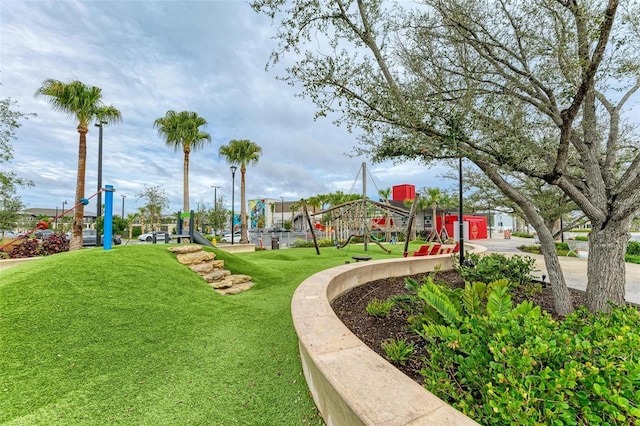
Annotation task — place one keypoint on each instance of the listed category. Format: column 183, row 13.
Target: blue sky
column 149, row 57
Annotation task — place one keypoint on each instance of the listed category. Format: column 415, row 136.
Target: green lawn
column 129, row 336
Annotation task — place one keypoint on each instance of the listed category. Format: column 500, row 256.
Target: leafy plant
column 496, row 266
column 522, row 367
column 26, row 248
column 379, row 308
column 55, row 243
column 398, row 351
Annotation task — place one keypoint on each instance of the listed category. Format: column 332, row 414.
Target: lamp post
column 282, row 211
column 99, row 201
column 123, row 197
column 460, row 213
column 63, row 204
column 233, row 190
column 215, row 202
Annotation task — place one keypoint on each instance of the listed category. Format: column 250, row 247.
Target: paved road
column 574, row 269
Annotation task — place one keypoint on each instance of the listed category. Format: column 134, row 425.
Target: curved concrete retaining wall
column 350, row 383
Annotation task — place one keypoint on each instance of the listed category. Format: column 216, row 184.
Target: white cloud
column 149, row 57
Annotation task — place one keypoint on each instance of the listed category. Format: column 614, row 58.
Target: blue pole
column 108, row 217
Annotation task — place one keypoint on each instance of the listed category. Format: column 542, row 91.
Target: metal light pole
column 99, row 201
column 282, row 211
column 460, row 213
column 215, row 201
column 63, row 204
column 123, row 197
column 233, row 190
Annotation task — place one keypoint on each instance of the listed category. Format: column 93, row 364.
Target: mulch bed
column 350, row 307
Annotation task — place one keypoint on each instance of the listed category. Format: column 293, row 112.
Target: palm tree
column 241, row 153
column 384, row 194
column 434, row 196
column 181, row 131
column 84, row 103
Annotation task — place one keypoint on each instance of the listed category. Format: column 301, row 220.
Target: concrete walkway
column 574, row 269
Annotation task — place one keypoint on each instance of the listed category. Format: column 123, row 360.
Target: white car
column 226, row 238
column 148, row 236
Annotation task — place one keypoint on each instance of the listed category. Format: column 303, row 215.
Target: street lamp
column 282, row 211
column 460, row 213
column 233, row 190
column 123, row 197
column 63, row 204
column 99, row 208
column 215, row 202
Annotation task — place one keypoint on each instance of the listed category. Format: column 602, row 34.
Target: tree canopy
column 534, row 88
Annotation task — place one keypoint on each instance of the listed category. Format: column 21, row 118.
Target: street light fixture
column 233, row 190
column 123, row 197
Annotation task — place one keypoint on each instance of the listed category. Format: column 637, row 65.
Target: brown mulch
column 350, row 308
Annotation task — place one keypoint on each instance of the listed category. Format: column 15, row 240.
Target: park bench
column 361, row 258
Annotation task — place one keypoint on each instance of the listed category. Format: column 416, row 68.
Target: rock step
column 212, row 271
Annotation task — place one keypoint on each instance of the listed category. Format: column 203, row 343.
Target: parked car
column 148, row 236
column 43, row 233
column 89, row 237
column 226, row 238
column 8, row 234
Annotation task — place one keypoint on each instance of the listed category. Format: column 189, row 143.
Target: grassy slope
column 130, row 336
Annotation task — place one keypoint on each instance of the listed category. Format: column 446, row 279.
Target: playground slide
column 200, row 239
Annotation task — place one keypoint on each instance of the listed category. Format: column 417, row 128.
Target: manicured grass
column 129, row 336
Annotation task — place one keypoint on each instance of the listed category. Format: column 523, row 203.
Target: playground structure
column 367, row 219
column 108, row 218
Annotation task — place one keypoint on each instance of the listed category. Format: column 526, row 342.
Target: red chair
column 428, row 250
column 451, row 250
column 423, row 251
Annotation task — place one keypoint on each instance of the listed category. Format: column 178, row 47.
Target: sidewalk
column 574, row 269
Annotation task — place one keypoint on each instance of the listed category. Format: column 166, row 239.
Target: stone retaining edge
column 350, row 383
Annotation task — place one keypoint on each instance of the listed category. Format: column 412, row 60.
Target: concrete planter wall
column 350, row 383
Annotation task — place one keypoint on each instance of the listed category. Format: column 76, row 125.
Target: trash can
column 507, row 234
column 275, row 243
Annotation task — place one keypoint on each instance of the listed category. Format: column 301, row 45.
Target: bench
column 361, row 258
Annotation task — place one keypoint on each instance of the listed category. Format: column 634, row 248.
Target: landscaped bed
column 515, row 366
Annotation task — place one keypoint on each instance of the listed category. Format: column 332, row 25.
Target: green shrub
column 632, row 258
column 379, row 308
column 398, row 351
column 524, row 368
column 496, row 266
column 300, row 243
column 633, row 248
column 522, row 234
column 581, row 238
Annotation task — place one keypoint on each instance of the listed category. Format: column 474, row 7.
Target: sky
column 149, row 57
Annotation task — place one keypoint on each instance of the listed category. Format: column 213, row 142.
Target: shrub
column 29, row 247
column 300, row 243
column 379, row 308
column 522, row 234
column 398, row 351
column 496, row 266
column 523, row 367
column 633, row 248
column 55, row 243
column 581, row 238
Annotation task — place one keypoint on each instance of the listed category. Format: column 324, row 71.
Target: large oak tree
column 530, row 87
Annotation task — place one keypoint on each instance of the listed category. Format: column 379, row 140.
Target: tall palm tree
column 385, row 194
column 241, row 153
column 84, row 103
column 181, row 131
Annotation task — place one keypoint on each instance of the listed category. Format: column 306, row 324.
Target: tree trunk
column 78, row 215
column 185, row 194
column 562, row 298
column 244, row 235
column 606, row 267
